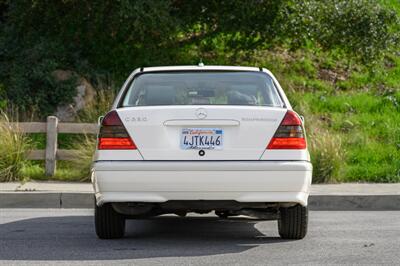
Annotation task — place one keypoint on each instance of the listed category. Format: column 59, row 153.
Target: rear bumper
column 162, row 181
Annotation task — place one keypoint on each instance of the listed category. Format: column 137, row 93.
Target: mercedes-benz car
column 182, row 139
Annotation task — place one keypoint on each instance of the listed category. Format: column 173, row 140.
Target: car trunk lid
column 245, row 131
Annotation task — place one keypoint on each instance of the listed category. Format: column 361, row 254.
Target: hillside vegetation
column 338, row 61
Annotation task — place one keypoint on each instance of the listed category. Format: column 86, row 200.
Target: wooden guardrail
column 51, row 154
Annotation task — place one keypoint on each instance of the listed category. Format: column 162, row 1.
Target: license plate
column 202, row 138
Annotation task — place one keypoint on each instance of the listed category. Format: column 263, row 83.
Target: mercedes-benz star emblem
column 201, row 113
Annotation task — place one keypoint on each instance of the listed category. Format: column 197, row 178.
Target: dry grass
column 14, row 146
column 84, row 156
column 326, row 151
column 100, row 105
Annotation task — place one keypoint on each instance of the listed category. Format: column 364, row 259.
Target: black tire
column 293, row 222
column 109, row 224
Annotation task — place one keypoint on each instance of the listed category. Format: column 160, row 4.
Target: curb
column 354, row 202
column 80, row 200
column 85, row 200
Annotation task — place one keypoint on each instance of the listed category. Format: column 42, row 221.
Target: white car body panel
column 117, row 155
column 282, row 155
column 159, row 170
column 158, row 139
column 228, row 180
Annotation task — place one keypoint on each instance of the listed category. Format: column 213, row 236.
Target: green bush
column 3, row 98
column 30, row 83
column 361, row 28
column 114, row 37
column 298, row 40
column 14, row 146
column 87, row 37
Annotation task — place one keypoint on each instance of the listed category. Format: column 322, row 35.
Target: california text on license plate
column 202, row 138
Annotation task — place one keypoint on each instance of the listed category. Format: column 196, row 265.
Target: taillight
column 113, row 135
column 290, row 134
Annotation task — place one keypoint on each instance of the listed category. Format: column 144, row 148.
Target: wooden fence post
column 51, row 145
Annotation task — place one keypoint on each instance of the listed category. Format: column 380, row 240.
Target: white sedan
column 199, row 139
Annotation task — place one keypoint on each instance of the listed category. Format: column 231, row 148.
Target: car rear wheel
column 292, row 222
column 109, row 224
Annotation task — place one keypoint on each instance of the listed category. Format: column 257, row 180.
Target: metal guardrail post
column 51, row 145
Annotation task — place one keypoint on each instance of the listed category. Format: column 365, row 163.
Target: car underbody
column 267, row 211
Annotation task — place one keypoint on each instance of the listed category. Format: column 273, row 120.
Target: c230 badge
column 136, row 119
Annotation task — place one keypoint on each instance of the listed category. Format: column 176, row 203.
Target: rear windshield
column 202, row 88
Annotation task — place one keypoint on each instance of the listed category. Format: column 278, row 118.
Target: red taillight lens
column 290, row 134
column 116, row 144
column 113, row 135
column 111, row 119
column 287, row 143
column 291, row 119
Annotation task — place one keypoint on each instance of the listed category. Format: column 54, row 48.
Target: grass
column 76, row 170
column 84, row 155
column 79, row 168
column 66, row 171
column 100, row 105
column 14, row 146
column 352, row 110
column 65, row 141
column 352, row 116
column 327, row 153
column 348, row 105
column 368, row 127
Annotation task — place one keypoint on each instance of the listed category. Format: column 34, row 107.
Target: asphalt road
column 46, row 236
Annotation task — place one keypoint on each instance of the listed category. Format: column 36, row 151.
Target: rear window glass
column 202, row 88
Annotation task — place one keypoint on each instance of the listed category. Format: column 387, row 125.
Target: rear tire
column 109, row 224
column 293, row 222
